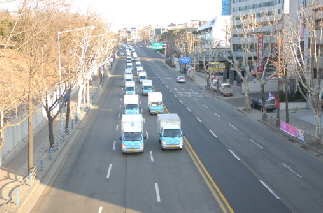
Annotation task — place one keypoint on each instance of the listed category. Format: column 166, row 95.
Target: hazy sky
column 134, row 13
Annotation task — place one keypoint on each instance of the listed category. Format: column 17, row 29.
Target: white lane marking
column 181, row 101
column 120, row 106
column 205, row 106
column 176, row 89
column 217, row 115
column 109, row 170
column 144, row 120
column 188, row 109
column 195, row 98
column 147, row 134
column 234, row 154
column 157, row 192
column 256, row 144
column 120, row 99
column 298, row 175
column 175, row 96
column 198, row 119
column 269, row 189
column 192, row 90
column 119, row 115
column 114, row 145
column 233, row 126
column 151, row 156
column 213, row 133
column 117, row 127
column 100, row 209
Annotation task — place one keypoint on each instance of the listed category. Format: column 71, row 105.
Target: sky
column 136, row 13
column 139, row 13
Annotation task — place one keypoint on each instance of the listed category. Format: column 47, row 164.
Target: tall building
column 226, row 7
column 265, row 14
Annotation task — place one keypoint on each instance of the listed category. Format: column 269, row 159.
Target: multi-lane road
column 229, row 163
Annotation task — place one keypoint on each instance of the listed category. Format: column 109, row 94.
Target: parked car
column 257, row 104
column 180, row 79
column 226, row 90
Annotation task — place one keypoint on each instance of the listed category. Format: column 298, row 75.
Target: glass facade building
column 226, row 8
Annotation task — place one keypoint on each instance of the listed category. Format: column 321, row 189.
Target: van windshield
column 147, row 87
column 132, row 136
column 130, row 89
column 132, row 106
column 172, row 133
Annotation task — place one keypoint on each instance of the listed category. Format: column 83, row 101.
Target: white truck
column 169, row 131
column 226, row 89
column 128, row 77
column 130, row 88
column 131, row 104
column 147, row 87
column 155, row 103
column 132, row 133
column 142, row 76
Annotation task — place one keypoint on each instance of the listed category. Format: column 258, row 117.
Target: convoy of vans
column 170, row 135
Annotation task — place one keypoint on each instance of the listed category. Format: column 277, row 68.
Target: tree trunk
column 286, row 100
column 1, row 135
column 30, row 135
column 318, row 126
column 263, row 100
column 68, row 108
column 246, row 95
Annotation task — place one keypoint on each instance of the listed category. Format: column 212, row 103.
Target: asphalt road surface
column 254, row 169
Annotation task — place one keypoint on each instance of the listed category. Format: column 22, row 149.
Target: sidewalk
column 303, row 118
column 14, row 183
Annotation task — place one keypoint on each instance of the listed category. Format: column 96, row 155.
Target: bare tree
column 307, row 63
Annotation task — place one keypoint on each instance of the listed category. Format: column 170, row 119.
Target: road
column 255, row 169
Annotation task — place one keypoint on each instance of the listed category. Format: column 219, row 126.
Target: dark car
column 270, row 105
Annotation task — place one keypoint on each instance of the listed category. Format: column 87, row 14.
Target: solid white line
column 298, row 175
column 205, row 106
column 151, row 156
column 109, row 170
column 188, row 109
column 198, row 119
column 117, row 127
column 269, row 189
column 256, row 144
column 233, row 126
column 157, row 192
column 181, row 101
column 114, row 145
column 234, row 154
column 217, row 115
column 100, row 209
column 147, row 134
column 213, row 133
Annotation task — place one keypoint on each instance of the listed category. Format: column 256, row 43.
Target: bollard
column 30, row 179
column 50, row 153
column 41, row 165
column 17, row 197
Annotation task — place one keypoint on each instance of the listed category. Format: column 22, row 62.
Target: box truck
column 131, row 104
column 132, row 133
column 155, row 103
column 169, row 131
column 130, row 88
column 147, row 86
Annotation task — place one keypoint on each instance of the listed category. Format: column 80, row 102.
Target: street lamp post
column 60, row 67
